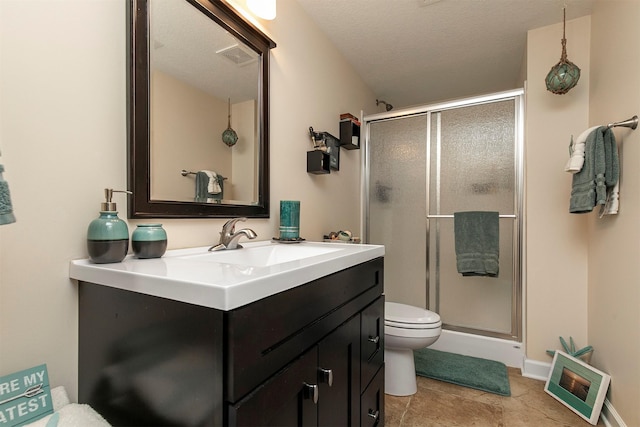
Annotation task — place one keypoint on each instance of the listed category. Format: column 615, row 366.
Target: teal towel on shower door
column 477, row 240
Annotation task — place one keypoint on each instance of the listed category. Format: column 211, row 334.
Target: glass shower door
column 420, row 169
column 397, row 205
column 472, row 167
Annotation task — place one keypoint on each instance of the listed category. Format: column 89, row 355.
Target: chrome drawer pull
column 326, row 376
column 374, row 414
column 374, row 340
column 311, row 392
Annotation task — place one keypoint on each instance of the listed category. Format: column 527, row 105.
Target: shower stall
column 422, row 165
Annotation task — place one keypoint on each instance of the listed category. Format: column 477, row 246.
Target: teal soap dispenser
column 108, row 235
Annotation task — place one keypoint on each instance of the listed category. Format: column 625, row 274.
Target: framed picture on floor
column 578, row 386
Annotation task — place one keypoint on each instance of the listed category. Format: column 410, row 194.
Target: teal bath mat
column 467, row 371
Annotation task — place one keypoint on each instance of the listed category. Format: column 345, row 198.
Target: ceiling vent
column 237, row 55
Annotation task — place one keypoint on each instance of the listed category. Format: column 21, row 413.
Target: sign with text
column 25, row 396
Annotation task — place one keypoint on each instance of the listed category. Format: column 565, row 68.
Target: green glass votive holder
column 289, row 219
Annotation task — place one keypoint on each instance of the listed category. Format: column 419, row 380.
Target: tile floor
column 439, row 404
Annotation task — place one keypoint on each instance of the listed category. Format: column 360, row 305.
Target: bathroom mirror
column 197, row 69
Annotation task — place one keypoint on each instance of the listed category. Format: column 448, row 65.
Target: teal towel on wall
column 6, row 207
column 477, row 240
column 598, row 175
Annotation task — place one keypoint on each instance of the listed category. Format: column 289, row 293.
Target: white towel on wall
column 613, row 201
column 577, row 147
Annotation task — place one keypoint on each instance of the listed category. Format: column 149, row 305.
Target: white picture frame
column 577, row 385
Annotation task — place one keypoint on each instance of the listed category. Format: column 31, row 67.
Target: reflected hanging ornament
column 229, row 136
column 565, row 74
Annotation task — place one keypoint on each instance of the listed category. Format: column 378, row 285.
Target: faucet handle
column 229, row 226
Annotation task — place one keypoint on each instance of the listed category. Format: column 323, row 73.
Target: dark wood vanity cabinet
column 311, row 355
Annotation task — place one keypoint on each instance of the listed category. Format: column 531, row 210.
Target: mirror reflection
column 203, row 87
column 198, row 128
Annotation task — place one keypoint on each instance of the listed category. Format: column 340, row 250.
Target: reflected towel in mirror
column 208, row 185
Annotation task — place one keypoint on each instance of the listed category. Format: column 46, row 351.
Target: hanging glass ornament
column 565, row 74
column 229, row 136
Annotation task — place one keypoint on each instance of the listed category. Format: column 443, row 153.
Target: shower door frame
column 517, row 302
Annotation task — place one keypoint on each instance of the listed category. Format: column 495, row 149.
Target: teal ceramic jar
column 107, row 238
column 289, row 219
column 149, row 241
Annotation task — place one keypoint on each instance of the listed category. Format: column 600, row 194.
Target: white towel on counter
column 576, row 150
column 72, row 415
column 69, row 414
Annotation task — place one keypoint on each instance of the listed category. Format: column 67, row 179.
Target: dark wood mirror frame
column 140, row 204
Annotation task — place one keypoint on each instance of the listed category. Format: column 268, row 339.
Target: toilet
column 406, row 328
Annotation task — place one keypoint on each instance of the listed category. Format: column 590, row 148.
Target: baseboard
column 610, row 416
column 536, row 369
column 540, row 371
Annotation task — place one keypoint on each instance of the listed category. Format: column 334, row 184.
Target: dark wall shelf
column 349, row 134
column 318, row 162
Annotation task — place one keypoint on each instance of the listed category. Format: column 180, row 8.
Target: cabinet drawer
column 372, row 341
column 264, row 336
column 372, row 402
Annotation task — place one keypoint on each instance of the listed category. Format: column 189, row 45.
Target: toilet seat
column 413, row 325
column 409, row 317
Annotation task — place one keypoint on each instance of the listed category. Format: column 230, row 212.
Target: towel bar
column 629, row 123
column 185, row 172
column 451, row 216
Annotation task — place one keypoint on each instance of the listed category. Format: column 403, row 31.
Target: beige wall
column 184, row 116
column 63, row 139
column 614, row 242
column 556, row 242
column 244, row 179
column 582, row 276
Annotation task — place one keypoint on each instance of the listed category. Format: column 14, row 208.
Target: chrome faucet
column 229, row 236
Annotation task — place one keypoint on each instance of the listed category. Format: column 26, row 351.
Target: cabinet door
column 287, row 399
column 339, row 361
column 372, row 346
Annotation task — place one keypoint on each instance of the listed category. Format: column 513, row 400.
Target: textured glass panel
column 474, row 155
column 397, row 205
column 472, row 302
column 472, row 167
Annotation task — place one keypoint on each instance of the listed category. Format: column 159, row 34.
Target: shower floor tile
column 441, row 404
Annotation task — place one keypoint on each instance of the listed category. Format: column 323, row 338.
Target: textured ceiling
column 413, row 52
column 189, row 46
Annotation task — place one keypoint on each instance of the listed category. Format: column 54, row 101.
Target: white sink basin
column 226, row 280
column 263, row 256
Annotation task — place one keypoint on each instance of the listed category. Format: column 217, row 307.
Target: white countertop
column 193, row 276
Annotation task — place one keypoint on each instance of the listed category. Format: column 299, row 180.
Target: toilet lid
column 401, row 313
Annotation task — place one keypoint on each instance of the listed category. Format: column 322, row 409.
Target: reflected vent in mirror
column 237, row 55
